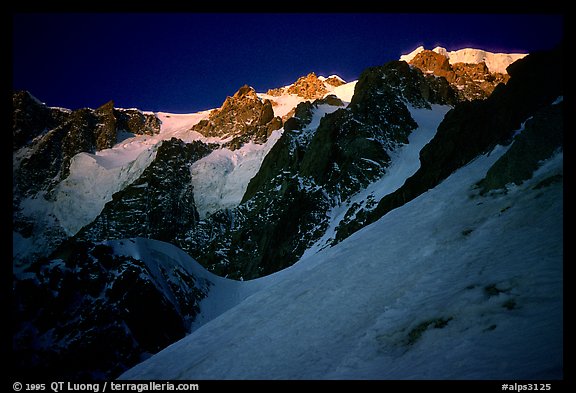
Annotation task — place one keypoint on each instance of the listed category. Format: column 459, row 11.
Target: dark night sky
column 185, row 62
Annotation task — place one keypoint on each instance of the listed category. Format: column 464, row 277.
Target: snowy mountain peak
column 245, row 92
column 310, row 86
column 466, row 71
column 333, row 76
column 409, row 56
column 244, row 115
column 496, row 62
column 333, row 80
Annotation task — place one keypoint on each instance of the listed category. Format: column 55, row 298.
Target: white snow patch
column 221, row 178
column 345, row 92
column 179, row 125
column 318, row 114
column 558, row 100
column 93, row 179
column 282, row 104
column 409, row 56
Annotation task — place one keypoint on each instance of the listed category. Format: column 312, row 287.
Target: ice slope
column 451, row 285
column 220, row 179
column 496, row 62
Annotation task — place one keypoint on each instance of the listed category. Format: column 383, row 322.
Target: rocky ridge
column 310, row 87
column 242, row 117
column 31, row 118
column 496, row 62
column 52, row 136
column 471, row 80
column 532, row 99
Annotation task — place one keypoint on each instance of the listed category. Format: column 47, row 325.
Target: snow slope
column 496, row 62
column 220, row 179
column 345, row 91
column 451, row 285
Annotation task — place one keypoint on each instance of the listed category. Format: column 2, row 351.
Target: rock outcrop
column 334, row 81
column 310, row 87
column 88, row 313
column 136, row 122
column 242, row 117
column 539, row 137
column 31, row 118
column 471, row 80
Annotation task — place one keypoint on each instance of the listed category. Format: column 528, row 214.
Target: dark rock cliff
column 475, row 127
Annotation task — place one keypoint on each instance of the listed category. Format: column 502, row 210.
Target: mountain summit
column 496, row 62
column 473, row 73
column 242, row 117
column 310, row 86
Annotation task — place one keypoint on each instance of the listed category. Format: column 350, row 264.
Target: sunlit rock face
column 471, row 80
column 310, row 87
column 242, row 117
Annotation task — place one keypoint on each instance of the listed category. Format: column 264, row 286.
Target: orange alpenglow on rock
column 467, row 70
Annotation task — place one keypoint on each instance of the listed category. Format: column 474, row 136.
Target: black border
column 513, row 7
